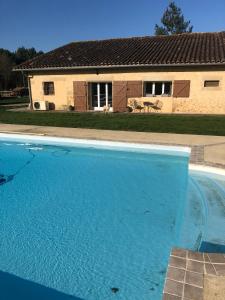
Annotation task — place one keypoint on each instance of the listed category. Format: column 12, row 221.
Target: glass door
column 101, row 94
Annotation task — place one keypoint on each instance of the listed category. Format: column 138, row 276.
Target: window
column 158, row 88
column 211, row 83
column 49, row 88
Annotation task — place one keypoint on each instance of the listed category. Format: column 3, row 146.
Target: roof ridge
column 186, row 48
column 146, row 36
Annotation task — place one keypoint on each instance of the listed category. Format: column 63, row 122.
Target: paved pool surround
column 190, row 275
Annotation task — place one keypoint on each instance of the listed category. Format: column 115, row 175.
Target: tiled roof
column 187, row 48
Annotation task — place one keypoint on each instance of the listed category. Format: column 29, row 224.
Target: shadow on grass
column 13, row 287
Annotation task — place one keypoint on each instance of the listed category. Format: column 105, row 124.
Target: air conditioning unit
column 41, row 105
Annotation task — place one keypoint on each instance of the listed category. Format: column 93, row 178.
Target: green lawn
column 14, row 100
column 211, row 125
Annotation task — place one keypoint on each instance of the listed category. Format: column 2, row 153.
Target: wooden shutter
column 181, row 88
column 119, row 96
column 80, row 95
column 134, row 89
column 122, row 90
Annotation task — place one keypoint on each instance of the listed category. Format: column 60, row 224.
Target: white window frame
column 153, row 89
column 99, row 108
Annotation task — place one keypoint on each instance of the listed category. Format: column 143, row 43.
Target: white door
column 101, row 95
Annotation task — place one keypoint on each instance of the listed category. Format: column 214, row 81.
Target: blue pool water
column 87, row 224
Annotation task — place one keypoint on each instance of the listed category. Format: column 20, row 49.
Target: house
column 186, row 72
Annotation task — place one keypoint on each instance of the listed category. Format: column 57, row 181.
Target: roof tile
column 187, row 48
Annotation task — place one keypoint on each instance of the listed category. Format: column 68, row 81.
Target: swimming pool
column 92, row 221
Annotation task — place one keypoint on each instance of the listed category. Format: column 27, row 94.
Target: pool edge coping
column 206, row 169
column 100, row 144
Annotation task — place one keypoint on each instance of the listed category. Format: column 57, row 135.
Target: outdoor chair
column 106, row 108
column 136, row 106
column 157, row 105
column 148, row 105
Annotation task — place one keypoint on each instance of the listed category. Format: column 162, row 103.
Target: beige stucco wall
column 201, row 100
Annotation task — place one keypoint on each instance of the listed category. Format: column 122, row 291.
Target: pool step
column 213, row 194
column 194, row 218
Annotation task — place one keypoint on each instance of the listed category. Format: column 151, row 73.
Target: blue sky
column 47, row 24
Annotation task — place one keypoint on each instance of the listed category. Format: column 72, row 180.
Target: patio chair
column 135, row 105
column 106, row 108
column 148, row 105
column 157, row 105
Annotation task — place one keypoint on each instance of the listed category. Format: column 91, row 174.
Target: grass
column 14, row 100
column 190, row 124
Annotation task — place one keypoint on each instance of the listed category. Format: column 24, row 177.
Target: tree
column 6, row 65
column 8, row 60
column 22, row 54
column 173, row 22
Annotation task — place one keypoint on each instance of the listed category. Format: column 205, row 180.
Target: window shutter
column 119, row 96
column 134, row 89
column 80, row 95
column 122, row 90
column 181, row 88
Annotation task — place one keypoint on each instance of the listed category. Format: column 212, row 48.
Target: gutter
column 119, row 66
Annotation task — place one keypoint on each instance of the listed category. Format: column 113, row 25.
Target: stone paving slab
column 214, row 288
column 129, row 136
column 215, row 153
column 193, row 275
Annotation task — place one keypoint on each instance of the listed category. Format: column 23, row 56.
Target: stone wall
column 202, row 100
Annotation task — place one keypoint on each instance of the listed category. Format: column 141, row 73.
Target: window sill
column 153, row 96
